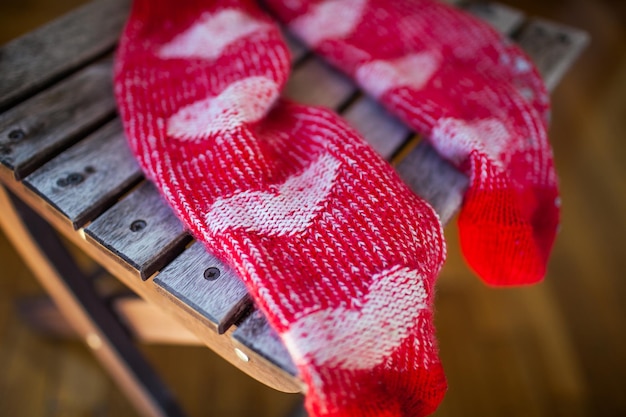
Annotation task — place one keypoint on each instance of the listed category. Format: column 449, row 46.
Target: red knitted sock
column 334, row 248
column 476, row 97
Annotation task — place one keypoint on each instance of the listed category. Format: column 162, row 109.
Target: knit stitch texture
column 475, row 96
column 334, row 248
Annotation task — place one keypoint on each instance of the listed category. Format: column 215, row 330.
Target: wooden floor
column 555, row 349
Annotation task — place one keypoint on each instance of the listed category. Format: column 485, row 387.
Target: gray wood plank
column 333, row 89
column 502, row 18
column 383, row 131
column 256, row 334
column 317, row 84
column 552, row 47
column 88, row 177
column 199, row 280
column 141, row 229
column 40, row 57
column 37, row 129
column 433, row 179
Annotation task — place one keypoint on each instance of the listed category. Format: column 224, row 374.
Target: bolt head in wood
column 212, row 273
column 138, row 225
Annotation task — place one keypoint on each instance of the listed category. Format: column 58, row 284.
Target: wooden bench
column 66, row 170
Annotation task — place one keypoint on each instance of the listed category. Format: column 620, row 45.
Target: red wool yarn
column 476, row 97
column 334, row 248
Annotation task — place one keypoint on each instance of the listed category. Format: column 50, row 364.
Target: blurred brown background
column 555, row 349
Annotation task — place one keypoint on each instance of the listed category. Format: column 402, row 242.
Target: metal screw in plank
column 212, row 273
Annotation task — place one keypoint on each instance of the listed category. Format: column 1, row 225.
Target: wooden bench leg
column 46, row 256
column 143, row 321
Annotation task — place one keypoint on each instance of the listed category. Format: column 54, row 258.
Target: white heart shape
column 289, row 210
column 208, row 37
column 454, row 139
column 244, row 101
column 357, row 339
column 414, row 70
column 330, row 19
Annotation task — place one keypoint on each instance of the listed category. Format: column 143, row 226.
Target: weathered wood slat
column 37, row 129
column 88, row 177
column 552, row 47
column 161, row 238
column 199, row 281
column 34, row 60
column 256, row 334
column 501, row 17
column 331, row 88
column 433, row 179
column 384, row 132
column 141, row 230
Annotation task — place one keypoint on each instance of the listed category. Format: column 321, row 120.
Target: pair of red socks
column 334, row 248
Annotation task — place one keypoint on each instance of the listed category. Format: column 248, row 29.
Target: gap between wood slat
column 89, row 177
column 40, row 128
column 141, row 229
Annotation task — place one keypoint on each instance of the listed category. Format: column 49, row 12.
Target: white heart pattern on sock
column 338, row 18
column 454, row 139
column 244, row 101
column 286, row 210
column 414, row 70
column 362, row 338
column 209, row 37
